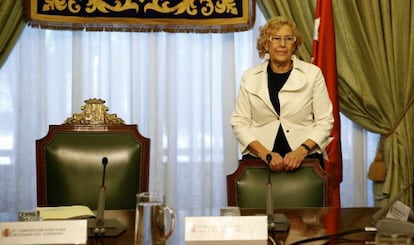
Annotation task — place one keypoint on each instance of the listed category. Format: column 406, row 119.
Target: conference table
column 304, row 223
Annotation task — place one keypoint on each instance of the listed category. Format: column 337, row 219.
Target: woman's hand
column 294, row 159
column 276, row 164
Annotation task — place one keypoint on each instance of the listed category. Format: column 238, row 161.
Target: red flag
column 324, row 56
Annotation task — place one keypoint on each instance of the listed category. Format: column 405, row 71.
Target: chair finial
column 94, row 112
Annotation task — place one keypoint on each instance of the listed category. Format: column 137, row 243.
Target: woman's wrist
column 263, row 156
column 306, row 147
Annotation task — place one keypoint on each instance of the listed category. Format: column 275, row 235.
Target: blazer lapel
column 259, row 85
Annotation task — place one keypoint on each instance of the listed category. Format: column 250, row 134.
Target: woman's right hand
column 276, row 164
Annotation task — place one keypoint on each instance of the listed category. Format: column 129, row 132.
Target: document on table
column 65, row 212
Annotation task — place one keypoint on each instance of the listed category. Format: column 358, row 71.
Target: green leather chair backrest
column 70, row 169
column 305, row 187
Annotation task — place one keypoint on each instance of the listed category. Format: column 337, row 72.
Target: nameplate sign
column 399, row 211
column 226, row 230
column 44, row 232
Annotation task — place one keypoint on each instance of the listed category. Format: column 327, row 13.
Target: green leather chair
column 308, row 186
column 70, row 169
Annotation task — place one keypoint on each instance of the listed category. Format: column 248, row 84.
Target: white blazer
column 305, row 108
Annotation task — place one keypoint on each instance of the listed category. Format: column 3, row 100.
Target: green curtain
column 375, row 51
column 375, row 40
column 11, row 26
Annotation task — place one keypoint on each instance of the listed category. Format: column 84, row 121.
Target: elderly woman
column 283, row 108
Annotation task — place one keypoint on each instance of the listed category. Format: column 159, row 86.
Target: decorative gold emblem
column 200, row 16
column 94, row 112
column 190, row 7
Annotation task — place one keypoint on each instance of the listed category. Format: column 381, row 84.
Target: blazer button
column 287, row 131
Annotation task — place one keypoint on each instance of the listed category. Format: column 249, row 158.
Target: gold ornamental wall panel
column 142, row 15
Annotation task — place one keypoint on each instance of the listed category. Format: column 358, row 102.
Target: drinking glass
column 154, row 221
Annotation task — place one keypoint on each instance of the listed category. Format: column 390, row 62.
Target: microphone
column 392, row 226
column 269, row 199
column 101, row 226
column 101, row 197
column 275, row 222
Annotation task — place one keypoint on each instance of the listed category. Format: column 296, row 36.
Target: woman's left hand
column 294, row 159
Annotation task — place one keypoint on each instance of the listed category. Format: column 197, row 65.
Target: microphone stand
column 101, row 227
column 275, row 222
column 269, row 199
column 100, row 224
column 101, row 198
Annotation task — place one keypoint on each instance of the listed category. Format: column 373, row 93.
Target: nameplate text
column 44, row 232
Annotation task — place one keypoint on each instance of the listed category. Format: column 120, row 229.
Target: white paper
column 238, row 230
column 65, row 212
